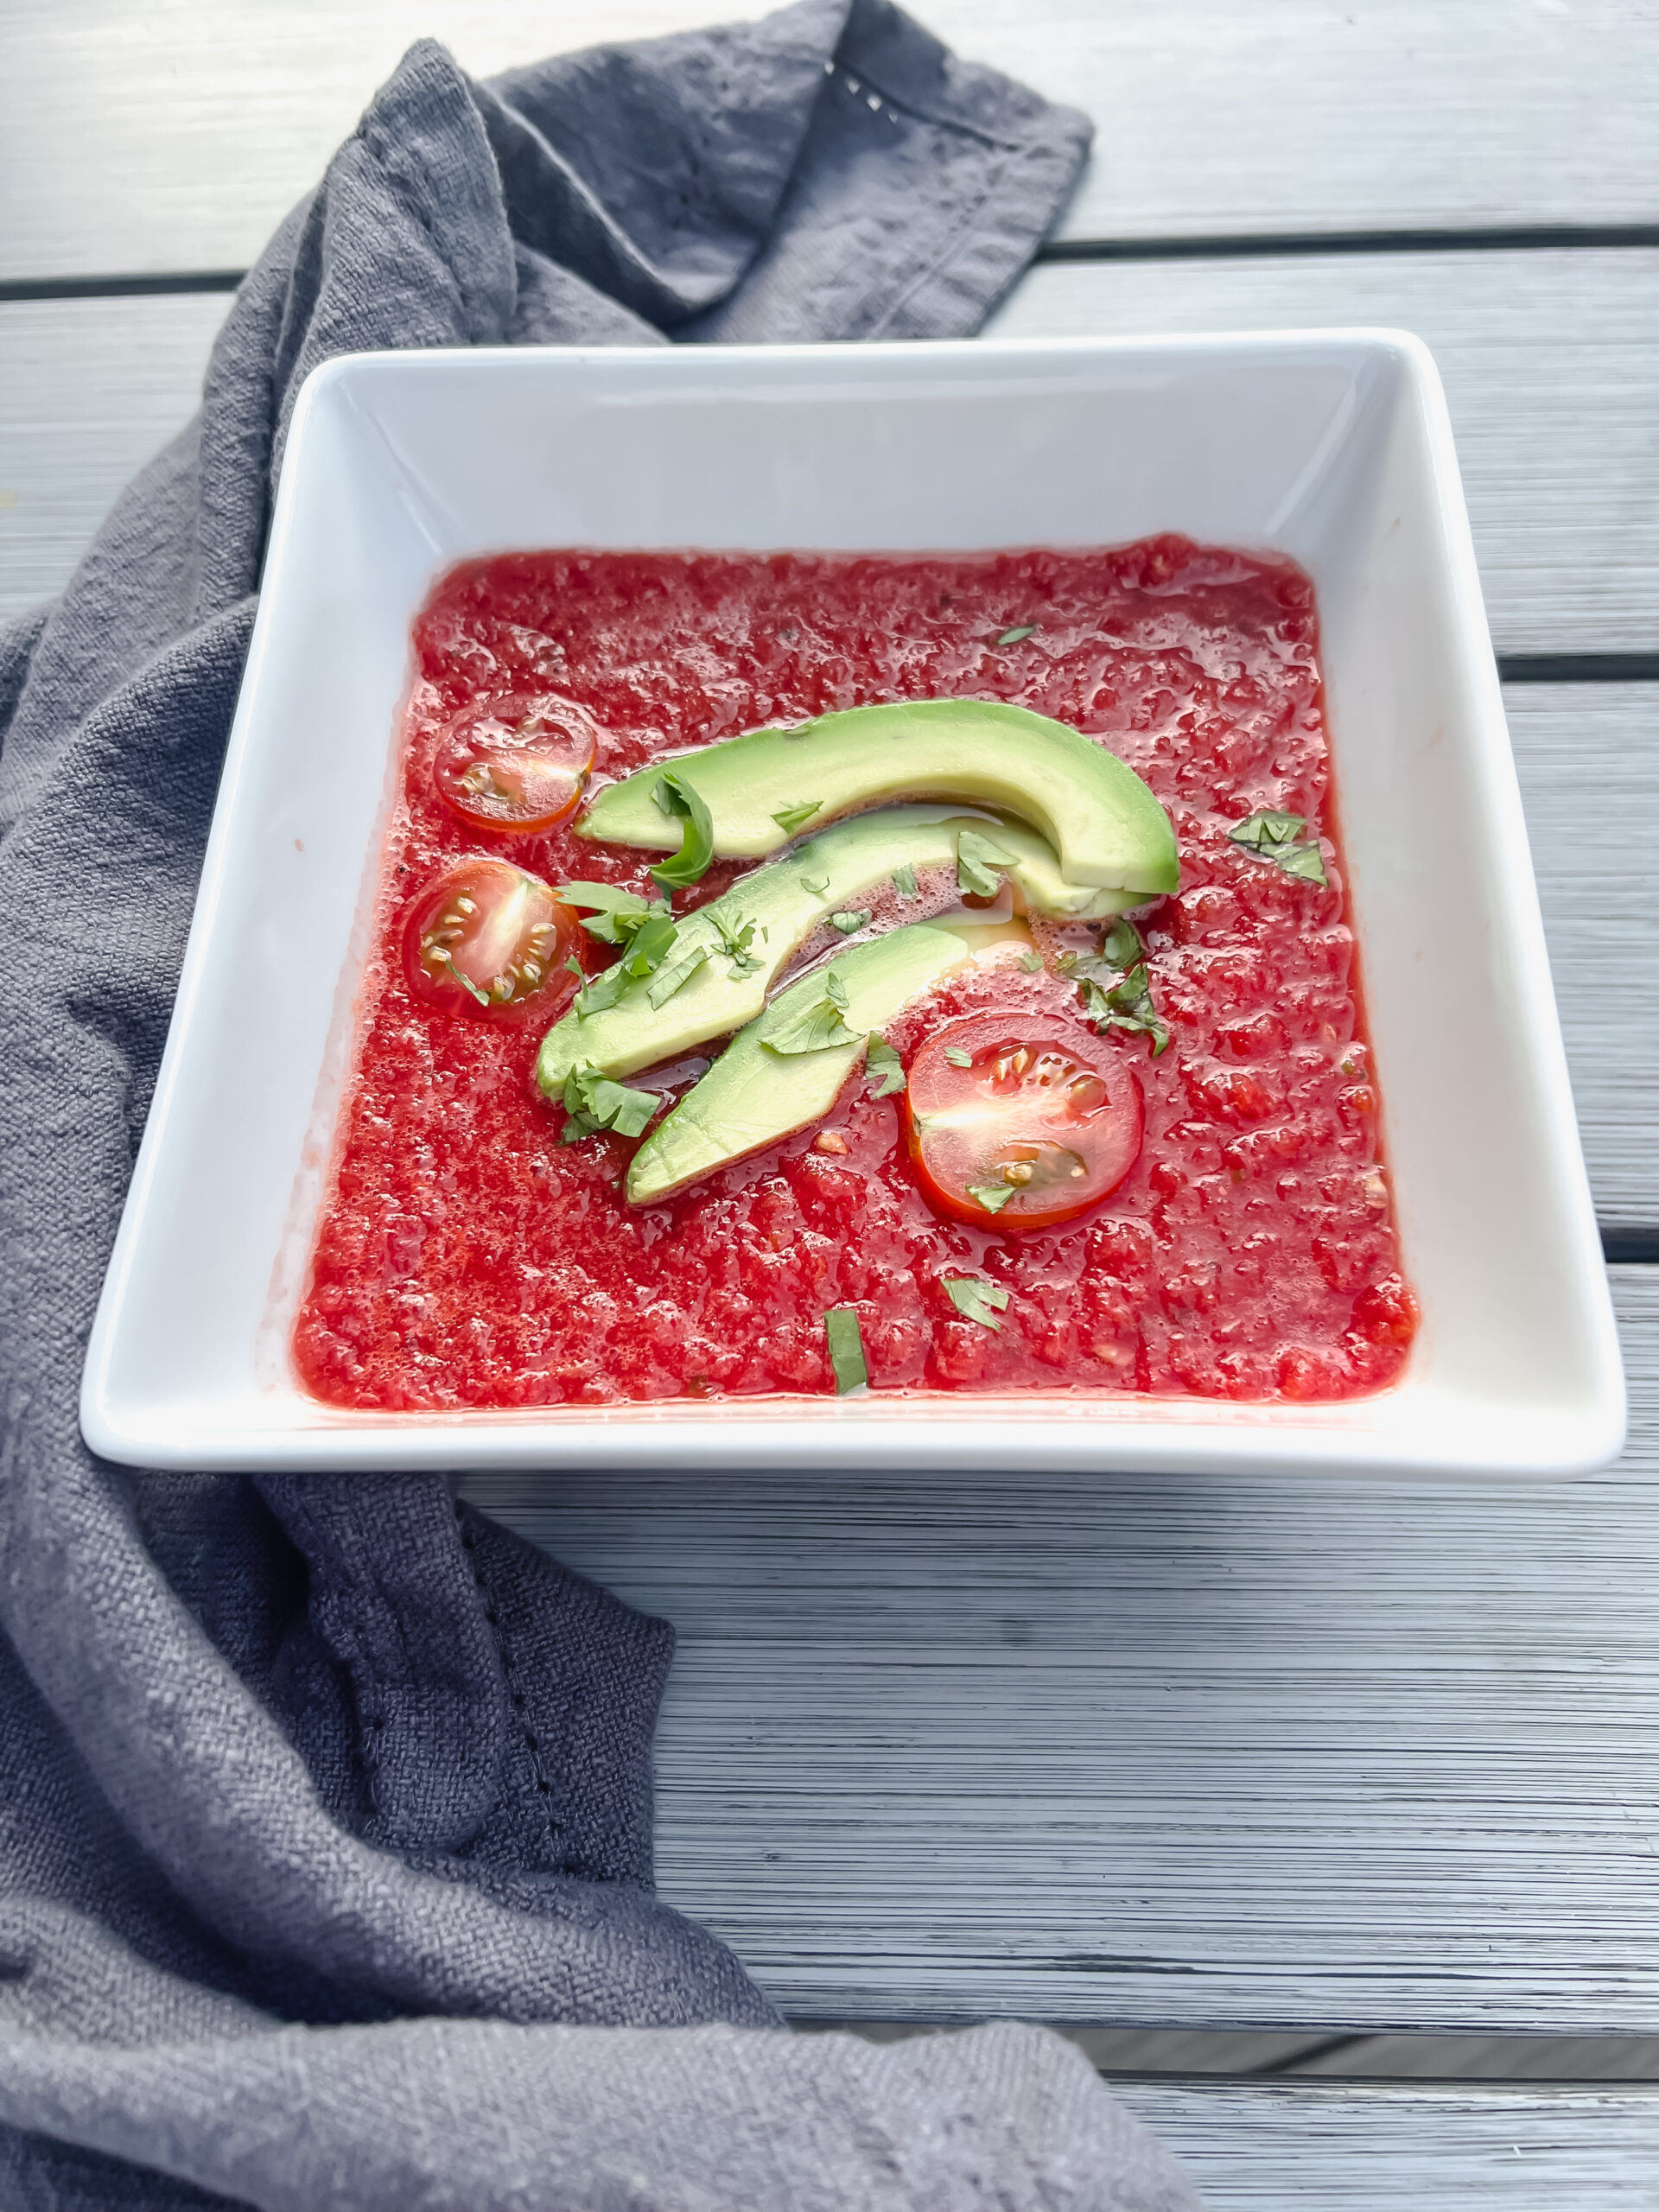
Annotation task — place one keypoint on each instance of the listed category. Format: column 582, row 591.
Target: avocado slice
column 785, row 903
column 1102, row 820
column 755, row 1093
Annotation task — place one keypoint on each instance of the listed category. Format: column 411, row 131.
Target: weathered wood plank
column 1186, row 1753
column 1547, row 359
column 1255, row 2148
column 89, row 389
column 175, row 137
column 1548, row 364
column 1588, row 755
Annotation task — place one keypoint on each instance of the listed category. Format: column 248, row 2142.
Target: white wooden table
column 1177, row 1755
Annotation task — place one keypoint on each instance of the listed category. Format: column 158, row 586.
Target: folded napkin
column 325, row 1804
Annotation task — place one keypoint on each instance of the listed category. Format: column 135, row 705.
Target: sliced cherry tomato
column 1031, row 1105
column 487, row 939
column 516, row 762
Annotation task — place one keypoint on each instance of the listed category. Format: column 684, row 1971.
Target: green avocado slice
column 1102, row 820
column 785, row 903
column 754, row 1093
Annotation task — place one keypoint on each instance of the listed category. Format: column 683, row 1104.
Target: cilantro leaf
column 815, row 883
column 1020, row 630
column 976, row 857
column 958, row 1058
column 1278, row 838
column 846, row 1343
column 603, row 991
column 884, row 1071
column 791, row 818
column 1122, row 944
column 1126, row 1005
column 593, row 1103
column 677, row 798
column 818, row 1026
column 1031, row 962
column 904, row 882
column 736, row 935
column 667, row 981
column 992, row 1196
column 650, row 945
column 854, row 918
column 466, row 981
column 619, row 916
column 974, row 1299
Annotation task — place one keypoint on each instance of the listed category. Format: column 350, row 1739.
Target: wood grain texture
column 89, row 391
column 1303, row 2148
column 1551, row 362
column 1181, row 1752
column 1588, row 756
column 175, row 136
column 1551, row 367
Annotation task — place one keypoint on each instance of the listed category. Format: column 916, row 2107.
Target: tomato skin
column 502, row 930
column 515, row 762
column 1041, row 1107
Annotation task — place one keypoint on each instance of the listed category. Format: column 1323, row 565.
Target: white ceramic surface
column 1333, row 448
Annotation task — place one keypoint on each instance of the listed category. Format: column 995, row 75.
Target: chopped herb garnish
column 593, row 1102
column 1278, row 838
column 854, row 918
column 819, row 884
column 846, row 1343
column 667, row 981
column 1020, row 630
column 1126, row 1005
column 904, row 882
column 650, row 945
column 466, row 981
column 992, row 1196
column 976, row 1300
column 1031, row 962
column 791, row 818
column 958, row 1058
column 884, row 1071
column 682, row 800
column 735, row 939
column 1123, row 945
column 618, row 915
column 816, row 1026
column 976, row 857
column 603, row 991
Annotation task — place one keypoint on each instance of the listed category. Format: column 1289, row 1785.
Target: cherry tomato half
column 516, row 762
column 487, row 939
column 1031, row 1104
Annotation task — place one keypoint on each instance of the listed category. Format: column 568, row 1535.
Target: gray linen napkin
column 325, row 1819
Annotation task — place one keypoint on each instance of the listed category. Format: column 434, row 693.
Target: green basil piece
column 593, row 1103
column 854, row 918
column 817, row 1027
column 976, row 859
column 791, row 818
column 992, row 1196
column 1278, row 838
column 884, row 1071
column 667, row 981
column 976, row 1300
column 958, row 1058
column 682, row 800
column 846, row 1342
column 1020, row 630
column 904, row 882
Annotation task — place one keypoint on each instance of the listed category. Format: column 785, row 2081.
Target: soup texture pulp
column 466, row 1256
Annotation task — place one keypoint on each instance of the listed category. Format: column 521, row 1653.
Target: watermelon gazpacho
column 802, row 973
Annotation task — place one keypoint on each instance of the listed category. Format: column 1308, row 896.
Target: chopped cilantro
column 846, row 1343
column 649, row 946
column 992, row 1196
column 593, row 1102
column 1126, row 1005
column 1278, row 838
column 958, row 1058
column 854, row 918
column 667, row 981
column 466, row 981
column 735, row 939
column 904, row 882
column 884, row 1071
column 818, row 1026
column 819, row 884
column 976, row 857
column 1031, row 962
column 603, row 991
column 976, row 1300
column 791, row 818
column 1122, row 944
column 1020, row 630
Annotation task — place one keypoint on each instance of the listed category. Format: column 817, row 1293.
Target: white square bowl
column 1332, row 447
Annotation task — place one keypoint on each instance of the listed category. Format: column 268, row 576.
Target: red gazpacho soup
column 783, row 983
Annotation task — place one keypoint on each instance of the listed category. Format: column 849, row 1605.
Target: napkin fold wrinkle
column 325, row 1802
